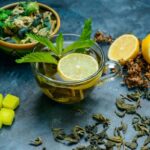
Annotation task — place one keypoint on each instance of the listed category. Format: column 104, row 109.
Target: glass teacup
column 72, row 91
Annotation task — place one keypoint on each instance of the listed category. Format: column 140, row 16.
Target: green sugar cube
column 0, row 122
column 7, row 116
column 11, row 101
column 1, row 99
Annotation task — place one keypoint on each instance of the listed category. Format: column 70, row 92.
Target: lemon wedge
column 77, row 66
column 146, row 48
column 124, row 47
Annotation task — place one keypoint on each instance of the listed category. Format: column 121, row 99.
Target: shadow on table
column 63, row 115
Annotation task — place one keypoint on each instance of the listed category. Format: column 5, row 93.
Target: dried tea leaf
column 36, row 142
column 145, row 148
column 91, row 128
column 110, row 144
column 101, row 119
column 124, row 127
column 140, row 134
column 71, row 139
column 58, row 134
column 129, row 108
column 135, row 120
column 131, row 145
column 116, row 139
column 120, row 114
column 78, row 131
column 135, row 96
column 147, row 141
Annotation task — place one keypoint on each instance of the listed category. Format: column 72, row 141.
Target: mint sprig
column 58, row 48
column 38, row 57
column 87, row 30
column 78, row 44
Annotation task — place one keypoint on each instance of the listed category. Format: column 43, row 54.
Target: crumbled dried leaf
column 131, row 145
column 101, row 119
column 120, row 114
column 116, row 139
column 129, row 108
column 36, row 142
column 58, row 133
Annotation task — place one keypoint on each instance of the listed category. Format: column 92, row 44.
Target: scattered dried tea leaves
column 73, row 138
column 36, row 142
column 100, row 37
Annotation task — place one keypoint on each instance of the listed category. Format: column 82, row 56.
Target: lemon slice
column 124, row 47
column 77, row 66
column 146, row 48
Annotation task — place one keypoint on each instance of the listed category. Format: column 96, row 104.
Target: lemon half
column 124, row 47
column 146, row 48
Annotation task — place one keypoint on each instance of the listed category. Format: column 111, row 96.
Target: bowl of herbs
column 18, row 19
column 68, row 66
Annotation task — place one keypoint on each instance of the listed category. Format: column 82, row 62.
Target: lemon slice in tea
column 124, row 47
column 77, row 66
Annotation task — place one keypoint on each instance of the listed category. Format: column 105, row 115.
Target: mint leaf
column 59, row 43
column 79, row 44
column 44, row 57
column 87, row 30
column 45, row 41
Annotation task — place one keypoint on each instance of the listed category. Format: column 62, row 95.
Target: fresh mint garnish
column 59, row 43
column 38, row 57
column 87, row 30
column 58, row 48
column 45, row 41
column 78, row 44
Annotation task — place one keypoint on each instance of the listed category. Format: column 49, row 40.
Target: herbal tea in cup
column 68, row 66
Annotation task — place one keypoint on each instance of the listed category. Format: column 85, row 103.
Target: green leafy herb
column 38, row 57
column 4, row 14
column 78, row 45
column 87, row 30
column 59, row 43
column 45, row 41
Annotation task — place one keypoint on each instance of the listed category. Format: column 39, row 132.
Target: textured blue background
column 37, row 114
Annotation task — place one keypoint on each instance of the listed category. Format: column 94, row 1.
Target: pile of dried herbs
column 101, row 37
column 136, row 73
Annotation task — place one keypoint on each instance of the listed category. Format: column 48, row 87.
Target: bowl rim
column 73, row 83
column 30, row 45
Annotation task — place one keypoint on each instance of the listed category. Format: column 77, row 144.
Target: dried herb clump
column 100, row 37
column 73, row 138
column 137, row 73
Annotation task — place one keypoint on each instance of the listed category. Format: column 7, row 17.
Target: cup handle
column 111, row 70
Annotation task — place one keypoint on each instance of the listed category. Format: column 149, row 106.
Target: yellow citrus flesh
column 124, row 47
column 146, row 48
column 76, row 66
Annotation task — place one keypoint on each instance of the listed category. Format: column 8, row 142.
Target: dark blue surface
column 37, row 114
